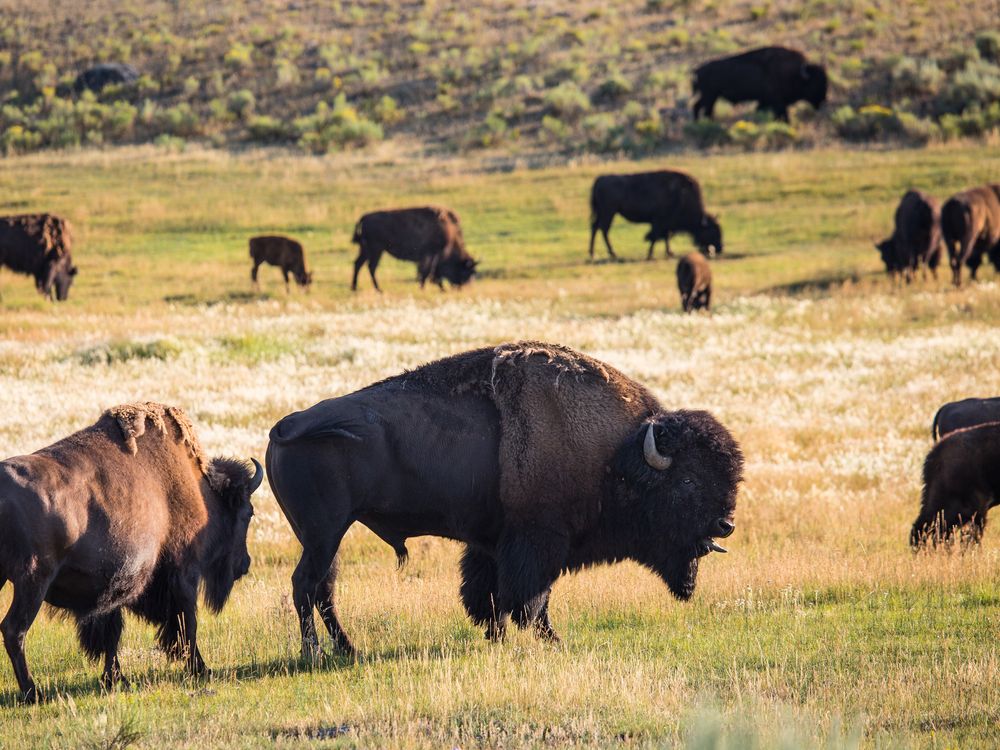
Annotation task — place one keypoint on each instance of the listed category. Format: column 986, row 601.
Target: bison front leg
column 28, row 598
column 479, row 593
column 528, row 562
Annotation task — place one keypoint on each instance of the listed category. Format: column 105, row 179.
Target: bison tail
column 935, row 429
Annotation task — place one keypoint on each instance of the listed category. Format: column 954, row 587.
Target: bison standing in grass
column 968, row 412
column 961, row 484
column 39, row 245
column 537, row 458
column 669, row 201
column 285, row 253
column 430, row 236
column 970, row 223
column 916, row 237
column 694, row 281
column 127, row 513
column 773, row 77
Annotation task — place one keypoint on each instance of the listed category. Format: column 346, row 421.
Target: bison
column 916, row 239
column 961, row 484
column 668, row 201
column 694, row 281
column 429, row 236
column 774, row 77
column 537, row 458
column 283, row 252
column 968, row 412
column 98, row 76
column 127, row 513
column 39, row 245
column 970, row 223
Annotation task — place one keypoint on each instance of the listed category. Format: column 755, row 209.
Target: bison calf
column 283, row 252
column 694, row 281
column 39, row 245
column 970, row 223
column 961, row 483
column 429, row 236
column 127, row 513
column 968, row 412
column 916, row 237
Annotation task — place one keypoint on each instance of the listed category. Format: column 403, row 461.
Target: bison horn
column 653, row 457
column 258, row 476
column 715, row 546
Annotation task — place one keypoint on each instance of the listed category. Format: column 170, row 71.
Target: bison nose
column 244, row 567
column 725, row 527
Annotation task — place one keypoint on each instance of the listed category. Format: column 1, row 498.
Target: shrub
column 191, row 86
column 179, row 120
column 601, row 132
column 16, row 139
column 567, row 101
column 335, row 127
column 238, row 56
column 264, row 129
column 976, row 85
column 913, row 78
column 387, row 111
column 556, row 129
column 241, row 103
column 988, row 45
column 614, row 88
column 706, row 133
column 286, row 73
column 491, row 132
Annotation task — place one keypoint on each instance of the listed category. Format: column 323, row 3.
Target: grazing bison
column 694, row 281
column 970, row 223
column 430, row 236
column 774, row 77
column 105, row 74
column 668, row 201
column 961, row 483
column 968, row 412
column 126, row 513
column 916, row 238
column 537, row 458
column 39, row 245
column 285, row 253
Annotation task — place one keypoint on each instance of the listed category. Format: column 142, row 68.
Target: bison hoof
column 30, row 695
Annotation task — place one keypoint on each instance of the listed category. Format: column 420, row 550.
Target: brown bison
column 283, row 252
column 537, row 458
column 916, row 238
column 774, row 77
column 961, row 484
column 694, row 281
column 430, row 236
column 39, row 245
column 668, row 201
column 968, row 412
column 970, row 223
column 127, row 513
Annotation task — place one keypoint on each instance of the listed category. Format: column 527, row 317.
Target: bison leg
column 184, row 625
column 358, row 262
column 28, row 598
column 479, row 592
column 100, row 636
column 328, row 613
column 542, row 624
column 288, row 289
column 253, row 275
column 528, row 563
column 373, row 259
column 312, row 587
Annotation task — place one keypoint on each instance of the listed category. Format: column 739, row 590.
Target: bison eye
column 687, row 480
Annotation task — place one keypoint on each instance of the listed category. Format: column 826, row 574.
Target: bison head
column 677, row 480
column 56, row 277
column 944, row 521
column 457, row 271
column 303, row 277
column 708, row 236
column 227, row 559
column 814, row 84
column 887, row 249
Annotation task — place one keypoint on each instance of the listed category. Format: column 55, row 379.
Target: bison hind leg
column 99, row 636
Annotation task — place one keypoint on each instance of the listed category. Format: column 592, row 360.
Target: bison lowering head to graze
column 961, row 483
column 916, row 237
column 98, row 76
column 430, row 236
column 537, row 458
column 968, row 412
column 970, row 223
column 39, row 245
column 694, row 281
column 285, row 253
column 669, row 201
column 128, row 512
column 774, row 77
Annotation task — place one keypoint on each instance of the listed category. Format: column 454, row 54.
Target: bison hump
column 133, row 418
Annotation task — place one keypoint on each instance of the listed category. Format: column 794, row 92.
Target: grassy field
column 820, row 628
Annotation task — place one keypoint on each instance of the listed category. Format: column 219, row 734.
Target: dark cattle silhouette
column 970, row 223
column 283, row 252
column 968, row 412
column 916, row 238
column 694, row 282
column 39, row 245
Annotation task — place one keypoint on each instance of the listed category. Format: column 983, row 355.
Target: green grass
column 820, row 628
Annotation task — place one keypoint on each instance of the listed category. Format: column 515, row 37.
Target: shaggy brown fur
column 533, row 455
column 970, row 223
column 39, row 245
column 694, row 282
column 283, row 252
column 961, row 483
column 916, row 239
column 430, row 236
column 127, row 513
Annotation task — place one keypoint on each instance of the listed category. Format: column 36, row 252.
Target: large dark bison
column 95, row 78
column 127, row 513
column 430, row 236
column 916, row 238
column 537, row 458
column 968, row 412
column 669, row 201
column 39, row 245
column 961, row 484
column 283, row 252
column 970, row 223
column 774, row 77
column 694, row 282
